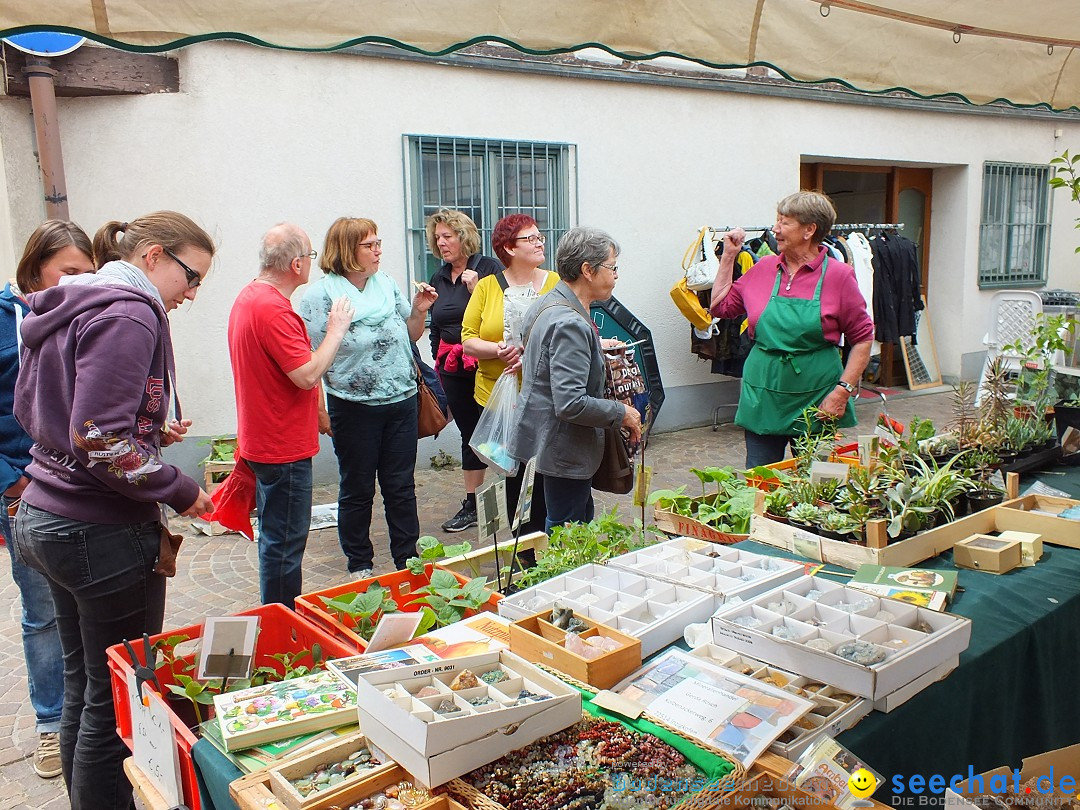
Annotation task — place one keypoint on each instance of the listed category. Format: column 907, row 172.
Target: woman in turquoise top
column 371, row 406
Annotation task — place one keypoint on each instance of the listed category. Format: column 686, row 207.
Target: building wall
column 258, row 136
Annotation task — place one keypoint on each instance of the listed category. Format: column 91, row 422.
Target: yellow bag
column 689, row 305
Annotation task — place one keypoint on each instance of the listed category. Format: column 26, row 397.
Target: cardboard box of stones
column 441, row 720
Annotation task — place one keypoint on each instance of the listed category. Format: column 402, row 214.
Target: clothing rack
column 747, row 228
column 868, row 226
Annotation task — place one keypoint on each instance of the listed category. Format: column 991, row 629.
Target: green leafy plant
column 778, row 502
column 816, row 439
column 577, row 544
column 839, row 522
column 672, row 500
column 432, row 550
column 362, row 609
column 449, row 600
column 907, row 508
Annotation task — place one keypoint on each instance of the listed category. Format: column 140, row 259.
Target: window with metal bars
column 1014, row 236
column 487, row 180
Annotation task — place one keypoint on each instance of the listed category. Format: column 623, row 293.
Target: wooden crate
column 143, row 788
column 683, row 526
column 252, row 792
column 333, row 751
column 1017, row 514
column 539, row 641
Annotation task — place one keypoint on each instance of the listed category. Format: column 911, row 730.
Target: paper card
column 822, row 470
column 624, row 707
column 155, row 746
column 642, row 485
column 491, row 509
column 227, row 647
column 393, row 630
column 806, row 546
column 525, row 501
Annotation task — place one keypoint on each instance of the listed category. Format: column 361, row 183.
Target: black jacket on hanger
column 897, row 287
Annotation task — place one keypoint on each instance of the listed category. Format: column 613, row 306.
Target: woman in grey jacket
column 562, row 412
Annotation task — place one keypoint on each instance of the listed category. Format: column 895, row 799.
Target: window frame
column 561, row 201
column 999, row 222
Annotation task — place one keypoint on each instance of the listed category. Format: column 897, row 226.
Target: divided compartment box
column 436, row 748
column 727, row 573
column 655, row 612
column 300, row 766
column 1030, row 513
column 918, row 654
column 253, row 791
column 537, row 640
column 991, row 555
column 280, row 630
column 403, row 586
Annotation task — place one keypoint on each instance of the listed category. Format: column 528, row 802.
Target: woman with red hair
column 491, row 328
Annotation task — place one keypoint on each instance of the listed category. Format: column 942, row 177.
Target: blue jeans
column 105, row 590
column 375, row 441
column 764, row 449
column 40, row 639
column 283, row 498
column 569, row 500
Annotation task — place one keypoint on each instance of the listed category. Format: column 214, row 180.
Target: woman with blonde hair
column 97, row 395
column 452, row 236
column 371, row 404
column 55, row 250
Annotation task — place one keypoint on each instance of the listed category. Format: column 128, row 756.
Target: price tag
column 155, row 746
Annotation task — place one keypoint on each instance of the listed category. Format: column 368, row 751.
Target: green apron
column 790, row 367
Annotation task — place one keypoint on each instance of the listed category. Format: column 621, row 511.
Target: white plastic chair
column 1012, row 318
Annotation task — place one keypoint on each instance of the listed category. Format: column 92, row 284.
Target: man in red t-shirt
column 276, row 375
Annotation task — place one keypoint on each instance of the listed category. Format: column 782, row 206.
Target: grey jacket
column 561, row 411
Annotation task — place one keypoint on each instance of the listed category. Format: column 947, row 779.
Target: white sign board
column 155, row 745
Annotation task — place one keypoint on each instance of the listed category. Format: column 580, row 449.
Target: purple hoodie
column 93, row 393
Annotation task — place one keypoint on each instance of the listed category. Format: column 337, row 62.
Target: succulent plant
column 778, row 502
column 805, row 513
column 839, row 522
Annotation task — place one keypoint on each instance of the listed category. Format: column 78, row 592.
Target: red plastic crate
column 280, row 630
column 402, row 586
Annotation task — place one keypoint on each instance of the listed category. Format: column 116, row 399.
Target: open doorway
column 880, row 194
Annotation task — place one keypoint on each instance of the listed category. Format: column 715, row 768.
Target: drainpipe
column 47, row 129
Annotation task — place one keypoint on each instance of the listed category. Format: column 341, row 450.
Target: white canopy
column 1021, row 52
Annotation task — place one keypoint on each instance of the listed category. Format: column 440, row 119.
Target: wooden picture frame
column 920, row 358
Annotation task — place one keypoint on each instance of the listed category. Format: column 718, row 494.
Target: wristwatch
column 847, row 386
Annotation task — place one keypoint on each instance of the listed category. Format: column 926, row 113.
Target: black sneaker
column 464, row 519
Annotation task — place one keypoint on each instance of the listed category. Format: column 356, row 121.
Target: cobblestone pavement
column 219, row 575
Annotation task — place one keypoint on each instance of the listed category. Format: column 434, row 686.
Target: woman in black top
column 453, row 237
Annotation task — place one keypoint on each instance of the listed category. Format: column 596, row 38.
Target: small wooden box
column 982, row 552
column 1031, row 547
column 537, row 640
column 334, row 751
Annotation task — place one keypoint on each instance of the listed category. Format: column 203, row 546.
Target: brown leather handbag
column 615, row 473
column 429, row 416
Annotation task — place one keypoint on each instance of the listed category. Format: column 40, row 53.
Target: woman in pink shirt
column 798, row 305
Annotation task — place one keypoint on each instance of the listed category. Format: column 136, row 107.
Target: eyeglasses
column 374, row 244
column 193, row 278
column 311, row 254
column 533, row 238
column 614, row 268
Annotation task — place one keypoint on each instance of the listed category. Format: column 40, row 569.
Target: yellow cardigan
column 484, row 319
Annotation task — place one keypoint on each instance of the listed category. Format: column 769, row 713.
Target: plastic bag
column 490, row 441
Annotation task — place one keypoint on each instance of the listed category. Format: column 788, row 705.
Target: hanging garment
column 862, row 257
column 791, row 366
column 897, row 292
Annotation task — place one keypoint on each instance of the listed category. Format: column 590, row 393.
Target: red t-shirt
column 276, row 421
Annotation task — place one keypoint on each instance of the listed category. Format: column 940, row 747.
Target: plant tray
column 402, row 585
column 280, row 630
column 1022, row 514
column 683, row 526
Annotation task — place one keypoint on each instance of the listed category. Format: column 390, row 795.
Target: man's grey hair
column 280, row 245
column 580, row 245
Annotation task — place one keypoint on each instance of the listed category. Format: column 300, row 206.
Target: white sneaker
column 363, row 573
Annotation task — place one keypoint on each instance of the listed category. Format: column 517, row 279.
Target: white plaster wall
column 258, row 136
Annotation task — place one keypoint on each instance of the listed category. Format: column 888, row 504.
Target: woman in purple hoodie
column 96, row 393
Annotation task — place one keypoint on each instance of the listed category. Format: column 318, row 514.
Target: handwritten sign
column 155, row 746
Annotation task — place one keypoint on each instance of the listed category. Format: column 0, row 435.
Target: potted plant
column 838, row 525
column 979, row 465
column 778, row 504
column 907, row 509
column 804, row 516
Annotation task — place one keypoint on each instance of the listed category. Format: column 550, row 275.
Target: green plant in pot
column 838, row 525
column 362, row 611
column 907, row 509
column 860, row 514
column 778, row 503
column 805, row 515
column 942, row 486
column 978, row 466
column 815, row 441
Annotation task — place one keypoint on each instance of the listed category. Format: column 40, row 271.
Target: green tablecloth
column 1015, row 693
